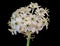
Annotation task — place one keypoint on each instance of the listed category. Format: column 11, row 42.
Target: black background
column 48, row 37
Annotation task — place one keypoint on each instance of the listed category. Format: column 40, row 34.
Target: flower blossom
column 29, row 19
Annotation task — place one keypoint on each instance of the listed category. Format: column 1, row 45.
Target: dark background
column 48, row 37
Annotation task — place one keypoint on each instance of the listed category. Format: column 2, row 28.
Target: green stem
column 28, row 39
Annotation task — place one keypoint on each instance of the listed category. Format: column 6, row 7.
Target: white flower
column 24, row 21
column 33, row 5
column 41, row 12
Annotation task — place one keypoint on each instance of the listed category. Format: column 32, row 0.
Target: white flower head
column 25, row 19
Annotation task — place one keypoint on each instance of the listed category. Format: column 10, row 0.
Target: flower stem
column 28, row 39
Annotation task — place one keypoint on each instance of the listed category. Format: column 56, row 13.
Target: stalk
column 28, row 39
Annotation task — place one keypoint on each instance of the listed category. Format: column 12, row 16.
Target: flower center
column 32, row 18
column 27, row 25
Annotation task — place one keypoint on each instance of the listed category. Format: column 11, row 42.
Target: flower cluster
column 31, row 18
